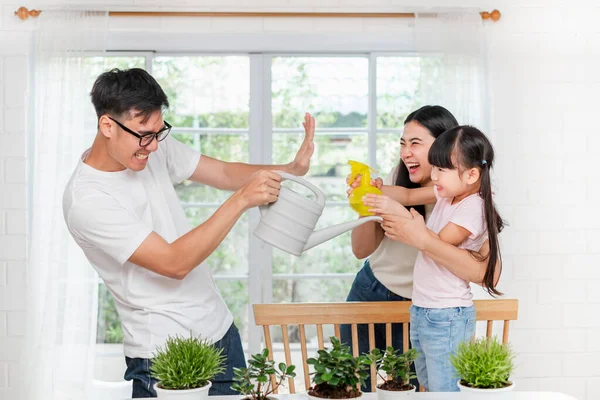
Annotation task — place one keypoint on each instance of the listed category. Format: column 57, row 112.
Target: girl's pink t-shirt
column 435, row 286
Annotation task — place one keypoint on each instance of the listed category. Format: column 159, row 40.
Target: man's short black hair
column 117, row 92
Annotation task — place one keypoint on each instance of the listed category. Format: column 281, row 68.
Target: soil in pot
column 472, row 387
column 395, row 386
column 327, row 391
column 260, row 398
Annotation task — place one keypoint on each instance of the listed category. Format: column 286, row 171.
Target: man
column 122, row 210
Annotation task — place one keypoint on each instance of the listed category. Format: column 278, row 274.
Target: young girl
column 442, row 314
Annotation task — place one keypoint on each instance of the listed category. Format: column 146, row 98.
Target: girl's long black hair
column 437, row 120
column 469, row 148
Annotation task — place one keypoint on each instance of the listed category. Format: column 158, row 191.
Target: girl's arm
column 413, row 232
column 410, row 197
column 453, row 234
column 405, row 196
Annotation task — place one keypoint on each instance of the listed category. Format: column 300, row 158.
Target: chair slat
column 288, row 355
column 371, row 347
column 405, row 337
column 269, row 346
column 488, row 331
column 320, row 336
column 371, row 336
column 354, row 340
column 304, row 356
column 388, row 335
column 336, row 330
column 505, row 331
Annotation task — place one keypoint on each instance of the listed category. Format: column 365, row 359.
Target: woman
column 387, row 274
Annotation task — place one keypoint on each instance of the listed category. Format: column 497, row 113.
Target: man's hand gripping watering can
column 289, row 223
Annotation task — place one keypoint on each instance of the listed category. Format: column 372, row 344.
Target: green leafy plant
column 255, row 382
column 337, row 372
column 186, row 363
column 396, row 366
column 485, row 363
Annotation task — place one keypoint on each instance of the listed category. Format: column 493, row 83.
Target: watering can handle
column 318, row 193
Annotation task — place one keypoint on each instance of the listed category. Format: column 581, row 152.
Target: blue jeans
column 367, row 288
column 138, row 369
column 436, row 333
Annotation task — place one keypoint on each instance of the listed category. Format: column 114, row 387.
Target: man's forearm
column 197, row 245
column 238, row 173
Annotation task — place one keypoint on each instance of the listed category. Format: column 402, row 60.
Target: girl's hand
column 408, row 230
column 383, row 205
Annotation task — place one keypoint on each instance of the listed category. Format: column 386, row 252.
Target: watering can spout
column 325, row 234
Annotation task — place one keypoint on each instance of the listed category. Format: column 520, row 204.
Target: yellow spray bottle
column 356, row 198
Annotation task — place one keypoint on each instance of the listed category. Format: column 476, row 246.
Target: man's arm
column 177, row 259
column 232, row 175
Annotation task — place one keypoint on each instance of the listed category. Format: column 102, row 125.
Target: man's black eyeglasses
column 147, row 138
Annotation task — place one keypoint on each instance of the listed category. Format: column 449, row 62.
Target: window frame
column 260, row 280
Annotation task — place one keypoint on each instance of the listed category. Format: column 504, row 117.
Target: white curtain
column 62, row 290
column 452, row 48
column 453, row 67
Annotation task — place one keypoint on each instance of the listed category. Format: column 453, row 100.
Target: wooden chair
column 354, row 313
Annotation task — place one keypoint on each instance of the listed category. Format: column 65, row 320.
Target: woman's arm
column 366, row 238
column 413, row 232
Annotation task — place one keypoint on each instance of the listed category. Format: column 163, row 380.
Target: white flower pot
column 189, row 394
column 383, row 394
column 486, row 391
column 321, row 398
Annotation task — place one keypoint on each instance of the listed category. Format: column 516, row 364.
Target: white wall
column 544, row 80
column 14, row 46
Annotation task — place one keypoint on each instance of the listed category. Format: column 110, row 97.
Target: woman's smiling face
column 414, row 148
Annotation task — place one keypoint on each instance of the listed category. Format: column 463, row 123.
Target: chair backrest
column 354, row 313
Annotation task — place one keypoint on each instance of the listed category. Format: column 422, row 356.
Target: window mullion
column 372, row 111
column 259, row 253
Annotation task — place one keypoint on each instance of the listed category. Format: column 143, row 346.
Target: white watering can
column 289, row 223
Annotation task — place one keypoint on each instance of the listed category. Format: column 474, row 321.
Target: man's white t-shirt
column 110, row 214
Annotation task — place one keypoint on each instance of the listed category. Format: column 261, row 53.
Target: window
column 210, row 99
column 109, row 326
column 249, row 107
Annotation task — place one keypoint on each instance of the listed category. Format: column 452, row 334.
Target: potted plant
column 484, row 365
column 338, row 373
column 255, row 382
column 184, row 368
column 396, row 366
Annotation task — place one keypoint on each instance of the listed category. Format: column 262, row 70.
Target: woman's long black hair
column 437, row 120
column 469, row 148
